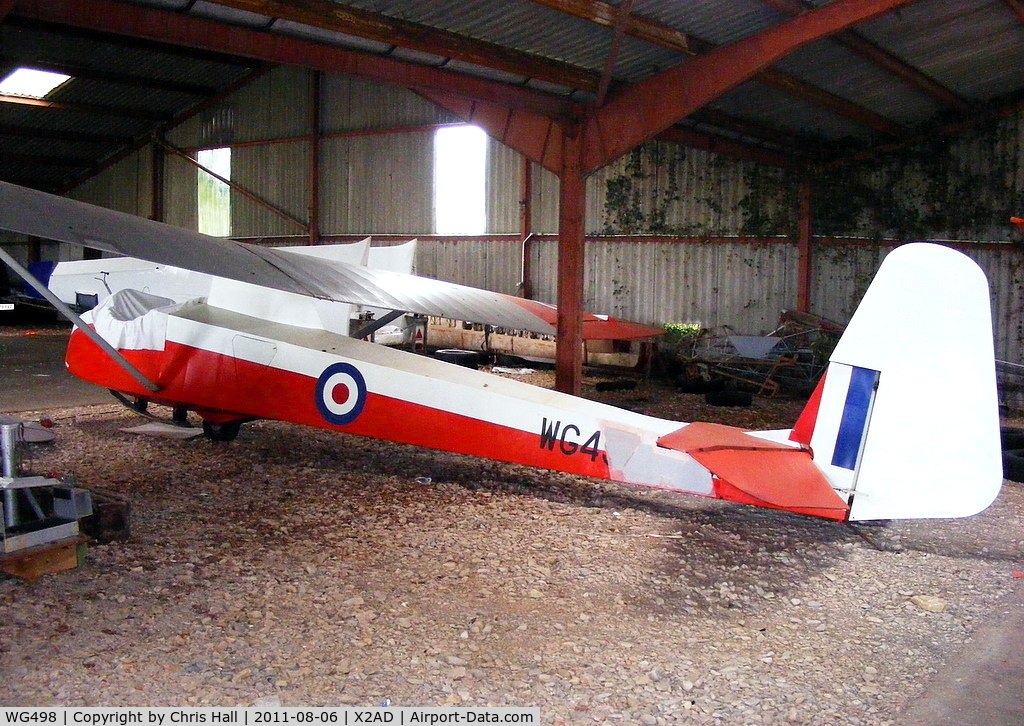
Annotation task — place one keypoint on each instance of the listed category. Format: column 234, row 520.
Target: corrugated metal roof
column 824, row 90
column 718, row 21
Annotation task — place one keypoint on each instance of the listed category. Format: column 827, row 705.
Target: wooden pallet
column 32, row 563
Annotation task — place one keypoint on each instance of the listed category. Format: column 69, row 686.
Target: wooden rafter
column 93, row 108
column 333, row 16
column 128, row 79
column 1017, row 8
column 644, row 110
column 728, row 147
column 21, row 17
column 796, row 144
column 656, row 33
column 635, row 26
column 162, row 26
column 882, row 58
column 613, row 51
column 85, row 137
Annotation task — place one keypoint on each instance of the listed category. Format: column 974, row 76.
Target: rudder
column 906, row 420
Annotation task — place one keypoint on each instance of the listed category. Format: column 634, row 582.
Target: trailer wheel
column 226, row 431
column 464, row 358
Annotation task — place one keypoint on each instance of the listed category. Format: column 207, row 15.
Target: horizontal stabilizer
column 753, row 470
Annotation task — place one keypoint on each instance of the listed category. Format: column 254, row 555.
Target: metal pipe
column 78, row 322
column 9, row 454
column 9, row 448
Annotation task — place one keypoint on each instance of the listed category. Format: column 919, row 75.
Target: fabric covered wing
column 752, row 470
column 27, row 211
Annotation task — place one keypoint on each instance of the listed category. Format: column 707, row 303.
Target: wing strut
column 77, row 321
column 374, row 325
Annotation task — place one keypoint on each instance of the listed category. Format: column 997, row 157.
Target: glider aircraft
column 904, row 423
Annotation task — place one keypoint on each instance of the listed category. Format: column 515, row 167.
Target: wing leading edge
column 28, row 211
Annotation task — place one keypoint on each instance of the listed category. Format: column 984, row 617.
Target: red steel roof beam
column 184, row 30
column 656, row 33
column 1017, row 8
column 642, row 111
column 882, row 58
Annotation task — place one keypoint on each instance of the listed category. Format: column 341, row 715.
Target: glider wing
column 27, row 211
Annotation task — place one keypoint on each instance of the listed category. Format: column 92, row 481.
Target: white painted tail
column 906, row 422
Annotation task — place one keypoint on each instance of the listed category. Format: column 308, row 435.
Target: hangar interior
column 696, row 161
column 728, row 161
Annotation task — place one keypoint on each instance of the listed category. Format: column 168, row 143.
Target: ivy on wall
column 667, row 189
column 963, row 187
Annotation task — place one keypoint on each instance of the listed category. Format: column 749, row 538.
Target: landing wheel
column 180, row 415
column 226, row 431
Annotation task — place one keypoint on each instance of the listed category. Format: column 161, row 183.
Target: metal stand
column 26, row 521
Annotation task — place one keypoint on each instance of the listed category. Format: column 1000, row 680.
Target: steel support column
column 157, row 207
column 526, row 229
column 571, row 215
column 315, row 136
column 649, row 107
column 803, row 275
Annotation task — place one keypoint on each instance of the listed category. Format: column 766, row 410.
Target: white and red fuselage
column 883, row 437
column 227, row 366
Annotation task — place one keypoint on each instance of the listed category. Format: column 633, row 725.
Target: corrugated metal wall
column 702, row 215
column 381, row 184
column 127, row 187
column 489, row 264
column 741, row 283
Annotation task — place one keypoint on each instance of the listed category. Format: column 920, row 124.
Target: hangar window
column 214, row 194
column 460, row 180
column 31, row 82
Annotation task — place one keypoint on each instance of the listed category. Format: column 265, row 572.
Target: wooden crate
column 32, row 563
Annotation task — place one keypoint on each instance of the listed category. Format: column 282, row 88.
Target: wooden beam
column 786, row 141
column 613, row 52
column 393, row 31
column 881, row 58
column 636, row 26
column 162, row 26
column 1017, row 8
column 665, row 36
column 94, row 33
column 729, row 148
column 86, row 137
column 127, row 79
column 93, row 108
column 642, row 111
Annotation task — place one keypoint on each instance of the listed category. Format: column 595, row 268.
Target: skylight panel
column 31, row 83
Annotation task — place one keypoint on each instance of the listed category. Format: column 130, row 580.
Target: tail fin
column 906, row 421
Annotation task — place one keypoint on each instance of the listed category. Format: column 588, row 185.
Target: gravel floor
column 323, row 569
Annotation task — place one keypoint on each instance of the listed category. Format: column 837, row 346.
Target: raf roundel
column 340, row 393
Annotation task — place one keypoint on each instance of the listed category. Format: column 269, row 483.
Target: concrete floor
column 33, row 374
column 985, row 687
